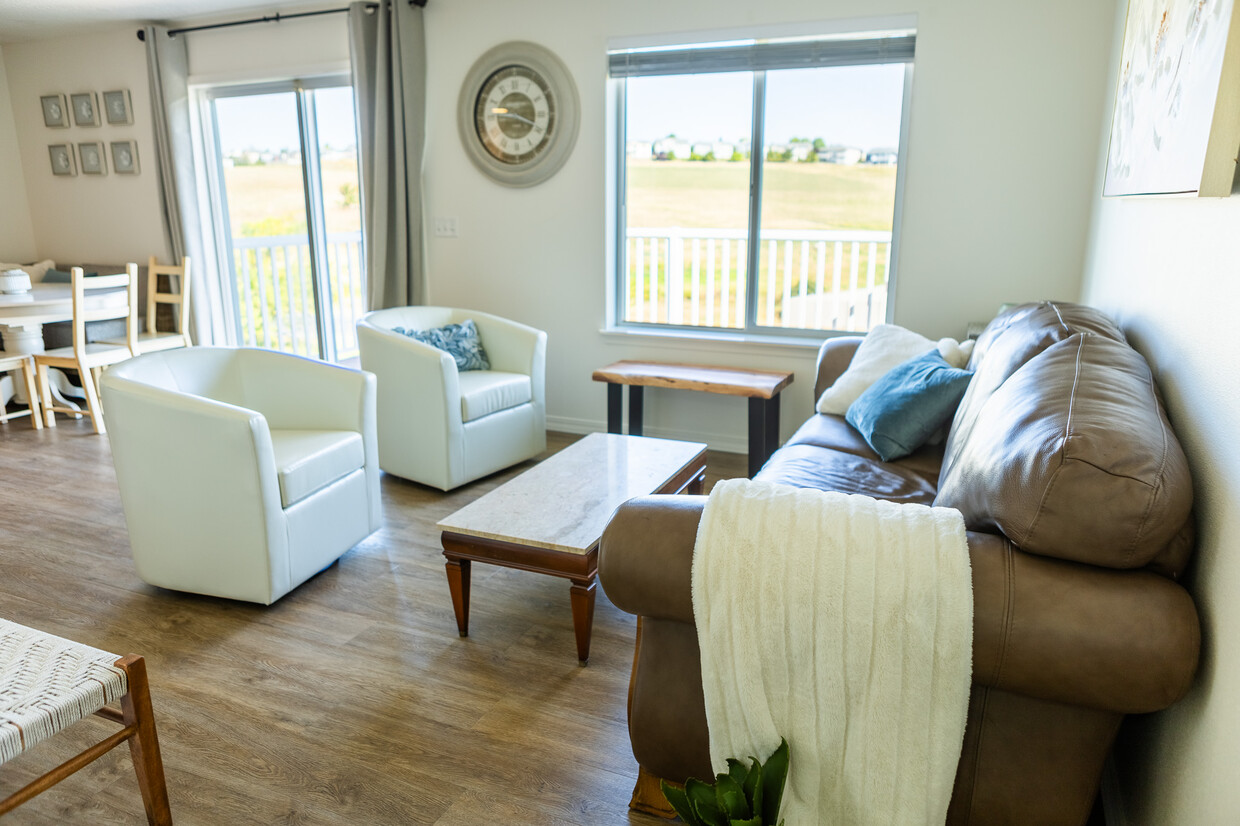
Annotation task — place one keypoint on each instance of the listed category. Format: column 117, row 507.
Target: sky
column 852, row 105
column 269, row 122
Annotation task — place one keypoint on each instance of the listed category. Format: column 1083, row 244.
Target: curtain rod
column 275, row 18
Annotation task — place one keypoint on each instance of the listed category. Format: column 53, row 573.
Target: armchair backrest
column 210, row 372
column 507, row 343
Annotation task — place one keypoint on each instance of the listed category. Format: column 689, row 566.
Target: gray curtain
column 167, row 68
column 388, row 50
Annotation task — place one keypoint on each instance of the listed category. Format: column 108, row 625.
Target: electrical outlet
column 446, row 228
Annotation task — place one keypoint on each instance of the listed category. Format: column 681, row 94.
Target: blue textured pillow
column 458, row 340
column 55, row 276
column 903, row 409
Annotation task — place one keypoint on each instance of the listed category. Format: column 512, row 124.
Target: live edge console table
column 760, row 386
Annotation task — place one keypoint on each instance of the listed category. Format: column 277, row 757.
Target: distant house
column 666, row 148
column 841, row 155
column 801, row 151
column 639, row 149
column 720, row 150
column 882, row 156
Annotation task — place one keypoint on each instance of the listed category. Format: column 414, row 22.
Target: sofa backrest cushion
column 1009, row 341
column 1073, row 457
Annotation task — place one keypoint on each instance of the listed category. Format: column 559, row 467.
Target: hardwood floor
column 350, row 701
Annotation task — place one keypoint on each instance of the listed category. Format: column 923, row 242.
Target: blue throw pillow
column 903, row 409
column 458, row 340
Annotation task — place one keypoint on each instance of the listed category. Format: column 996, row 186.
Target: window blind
column 796, row 54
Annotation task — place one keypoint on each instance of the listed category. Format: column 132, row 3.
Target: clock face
column 515, row 114
column 518, row 113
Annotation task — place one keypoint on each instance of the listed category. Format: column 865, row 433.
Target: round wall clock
column 518, row 113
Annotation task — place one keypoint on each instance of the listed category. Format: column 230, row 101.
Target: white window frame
column 316, row 231
column 647, row 53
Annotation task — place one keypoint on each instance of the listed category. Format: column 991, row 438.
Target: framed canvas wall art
column 1176, row 124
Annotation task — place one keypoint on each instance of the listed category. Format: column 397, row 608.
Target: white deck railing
column 809, row 279
column 276, row 299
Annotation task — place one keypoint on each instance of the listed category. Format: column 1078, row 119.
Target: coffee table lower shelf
column 581, row 570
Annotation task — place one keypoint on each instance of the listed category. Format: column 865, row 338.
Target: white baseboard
column 1112, row 799
column 722, row 442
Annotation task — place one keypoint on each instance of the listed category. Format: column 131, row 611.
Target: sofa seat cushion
column 484, row 392
column 309, row 460
column 825, row 430
column 807, row 466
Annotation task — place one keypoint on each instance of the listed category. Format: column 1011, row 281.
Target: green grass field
column 794, row 195
column 269, row 200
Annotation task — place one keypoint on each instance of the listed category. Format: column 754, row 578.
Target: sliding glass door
column 288, row 213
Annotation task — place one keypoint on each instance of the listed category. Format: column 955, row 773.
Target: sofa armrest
column 646, row 556
column 1124, row 641
column 1116, row 640
column 833, row 358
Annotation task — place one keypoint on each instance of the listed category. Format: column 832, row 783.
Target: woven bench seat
column 48, row 683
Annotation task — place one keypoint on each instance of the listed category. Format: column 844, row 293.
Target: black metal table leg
column 635, row 409
column 615, row 406
column 757, row 435
column 763, row 431
column 772, row 427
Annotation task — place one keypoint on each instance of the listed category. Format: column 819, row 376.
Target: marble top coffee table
column 549, row 519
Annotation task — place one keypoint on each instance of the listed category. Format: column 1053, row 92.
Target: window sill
column 695, row 340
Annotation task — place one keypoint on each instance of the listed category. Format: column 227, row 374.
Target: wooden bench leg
column 144, row 745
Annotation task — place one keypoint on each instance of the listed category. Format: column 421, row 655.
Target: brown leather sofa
column 1078, row 500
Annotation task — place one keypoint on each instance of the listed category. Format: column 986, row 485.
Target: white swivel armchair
column 441, row 427
column 242, row 472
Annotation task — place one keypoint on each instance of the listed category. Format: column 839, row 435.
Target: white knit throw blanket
column 844, row 624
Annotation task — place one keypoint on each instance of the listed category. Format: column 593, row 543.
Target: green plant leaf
column 702, row 797
column 753, row 821
column 753, row 788
column 737, row 770
column 680, row 803
column 774, row 774
column 731, row 798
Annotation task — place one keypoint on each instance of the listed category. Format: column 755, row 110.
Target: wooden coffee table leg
column 582, row 594
column 458, row 584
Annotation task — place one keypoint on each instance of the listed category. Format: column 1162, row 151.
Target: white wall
column 1168, row 270
column 996, row 204
column 87, row 218
column 16, row 232
column 997, row 191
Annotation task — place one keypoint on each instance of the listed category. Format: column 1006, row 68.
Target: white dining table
column 23, row 315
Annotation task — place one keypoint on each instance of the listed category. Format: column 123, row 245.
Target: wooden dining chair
column 174, row 291
column 91, row 302
column 24, row 363
column 47, row 683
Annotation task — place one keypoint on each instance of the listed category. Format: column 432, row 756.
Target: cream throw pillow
column 884, row 347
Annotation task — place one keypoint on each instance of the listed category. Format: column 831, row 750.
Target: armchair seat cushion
column 484, row 392
column 310, row 460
